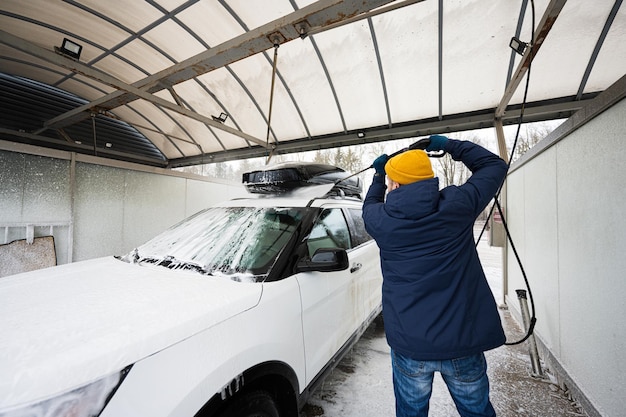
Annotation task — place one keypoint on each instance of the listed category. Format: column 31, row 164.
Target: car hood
column 69, row 325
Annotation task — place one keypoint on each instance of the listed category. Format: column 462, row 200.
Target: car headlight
column 86, row 401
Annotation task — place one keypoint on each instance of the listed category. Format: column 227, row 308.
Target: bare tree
column 348, row 158
column 447, row 169
column 322, row 156
column 353, row 159
column 453, row 172
column 193, row 169
column 534, row 133
column 375, row 150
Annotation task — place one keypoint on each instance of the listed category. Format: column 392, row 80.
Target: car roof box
column 288, row 176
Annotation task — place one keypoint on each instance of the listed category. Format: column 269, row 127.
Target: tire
column 252, row 404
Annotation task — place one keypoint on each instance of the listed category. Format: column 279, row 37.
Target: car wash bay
column 553, row 237
column 88, row 156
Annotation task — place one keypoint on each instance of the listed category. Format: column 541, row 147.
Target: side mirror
column 325, row 260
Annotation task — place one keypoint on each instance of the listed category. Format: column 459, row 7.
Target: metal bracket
column 277, row 38
column 303, row 27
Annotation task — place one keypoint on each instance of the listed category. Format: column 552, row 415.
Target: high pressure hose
column 533, row 318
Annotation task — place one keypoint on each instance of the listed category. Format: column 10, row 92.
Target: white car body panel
column 118, row 313
column 335, row 304
column 176, row 381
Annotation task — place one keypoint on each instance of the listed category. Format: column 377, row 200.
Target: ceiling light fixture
column 360, row 135
column 222, row 117
column 69, row 48
column 517, row 45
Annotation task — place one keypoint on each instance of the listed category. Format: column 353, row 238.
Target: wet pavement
column 361, row 385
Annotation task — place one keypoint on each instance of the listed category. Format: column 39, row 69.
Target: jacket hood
column 65, row 326
column 413, row 201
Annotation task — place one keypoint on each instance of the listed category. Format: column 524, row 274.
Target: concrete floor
column 361, row 385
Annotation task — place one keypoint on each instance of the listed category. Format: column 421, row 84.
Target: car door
column 364, row 268
column 334, row 304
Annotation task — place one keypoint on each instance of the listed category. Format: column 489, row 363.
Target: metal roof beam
column 547, row 21
column 547, row 110
column 440, row 57
column 396, row 5
column 317, row 15
column 518, row 31
column 596, row 50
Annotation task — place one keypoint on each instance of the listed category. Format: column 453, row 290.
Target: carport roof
column 154, row 76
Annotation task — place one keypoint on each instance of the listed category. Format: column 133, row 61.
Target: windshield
column 239, row 242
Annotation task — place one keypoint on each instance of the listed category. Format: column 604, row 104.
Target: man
column 439, row 313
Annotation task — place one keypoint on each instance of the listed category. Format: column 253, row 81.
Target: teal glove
column 437, row 143
column 379, row 164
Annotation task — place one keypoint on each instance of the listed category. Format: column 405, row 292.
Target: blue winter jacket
column 436, row 301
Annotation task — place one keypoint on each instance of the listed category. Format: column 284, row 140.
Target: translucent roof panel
column 238, row 104
column 120, row 69
column 174, row 41
column 84, row 87
column 474, row 73
column 613, row 53
column 347, row 72
column 223, row 26
column 171, row 5
column 360, row 104
column 258, row 13
column 134, row 16
column 256, row 74
column 569, row 48
column 407, row 40
column 311, row 89
column 144, row 56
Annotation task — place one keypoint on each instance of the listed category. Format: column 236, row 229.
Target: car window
column 240, row 242
column 329, row 231
column 358, row 234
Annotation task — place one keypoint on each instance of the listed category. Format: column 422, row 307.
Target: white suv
column 239, row 310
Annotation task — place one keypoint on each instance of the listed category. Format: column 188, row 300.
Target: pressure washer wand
column 420, row 144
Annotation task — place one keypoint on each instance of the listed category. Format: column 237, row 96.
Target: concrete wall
column 94, row 207
column 566, row 209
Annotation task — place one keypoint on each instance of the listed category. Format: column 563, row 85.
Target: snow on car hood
column 65, row 326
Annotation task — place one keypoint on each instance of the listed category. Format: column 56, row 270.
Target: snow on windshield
column 233, row 241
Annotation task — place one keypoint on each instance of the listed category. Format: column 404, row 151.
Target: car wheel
column 253, row 404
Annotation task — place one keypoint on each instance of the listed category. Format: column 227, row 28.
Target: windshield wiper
column 171, row 262
column 131, row 258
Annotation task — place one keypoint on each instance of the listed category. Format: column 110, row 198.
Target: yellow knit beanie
column 410, row 166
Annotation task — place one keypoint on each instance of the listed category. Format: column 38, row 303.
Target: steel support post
column 532, row 343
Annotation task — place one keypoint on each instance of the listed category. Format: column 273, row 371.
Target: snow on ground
column 361, row 385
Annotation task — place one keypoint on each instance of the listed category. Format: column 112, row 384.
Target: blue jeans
column 466, row 379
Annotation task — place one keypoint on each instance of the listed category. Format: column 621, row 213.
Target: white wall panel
column 200, row 196
column 152, row 204
column 99, row 210
column 592, row 238
column 114, row 208
column 35, row 192
column 541, row 243
column 566, row 210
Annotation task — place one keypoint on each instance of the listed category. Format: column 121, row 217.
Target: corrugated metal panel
column 26, row 104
